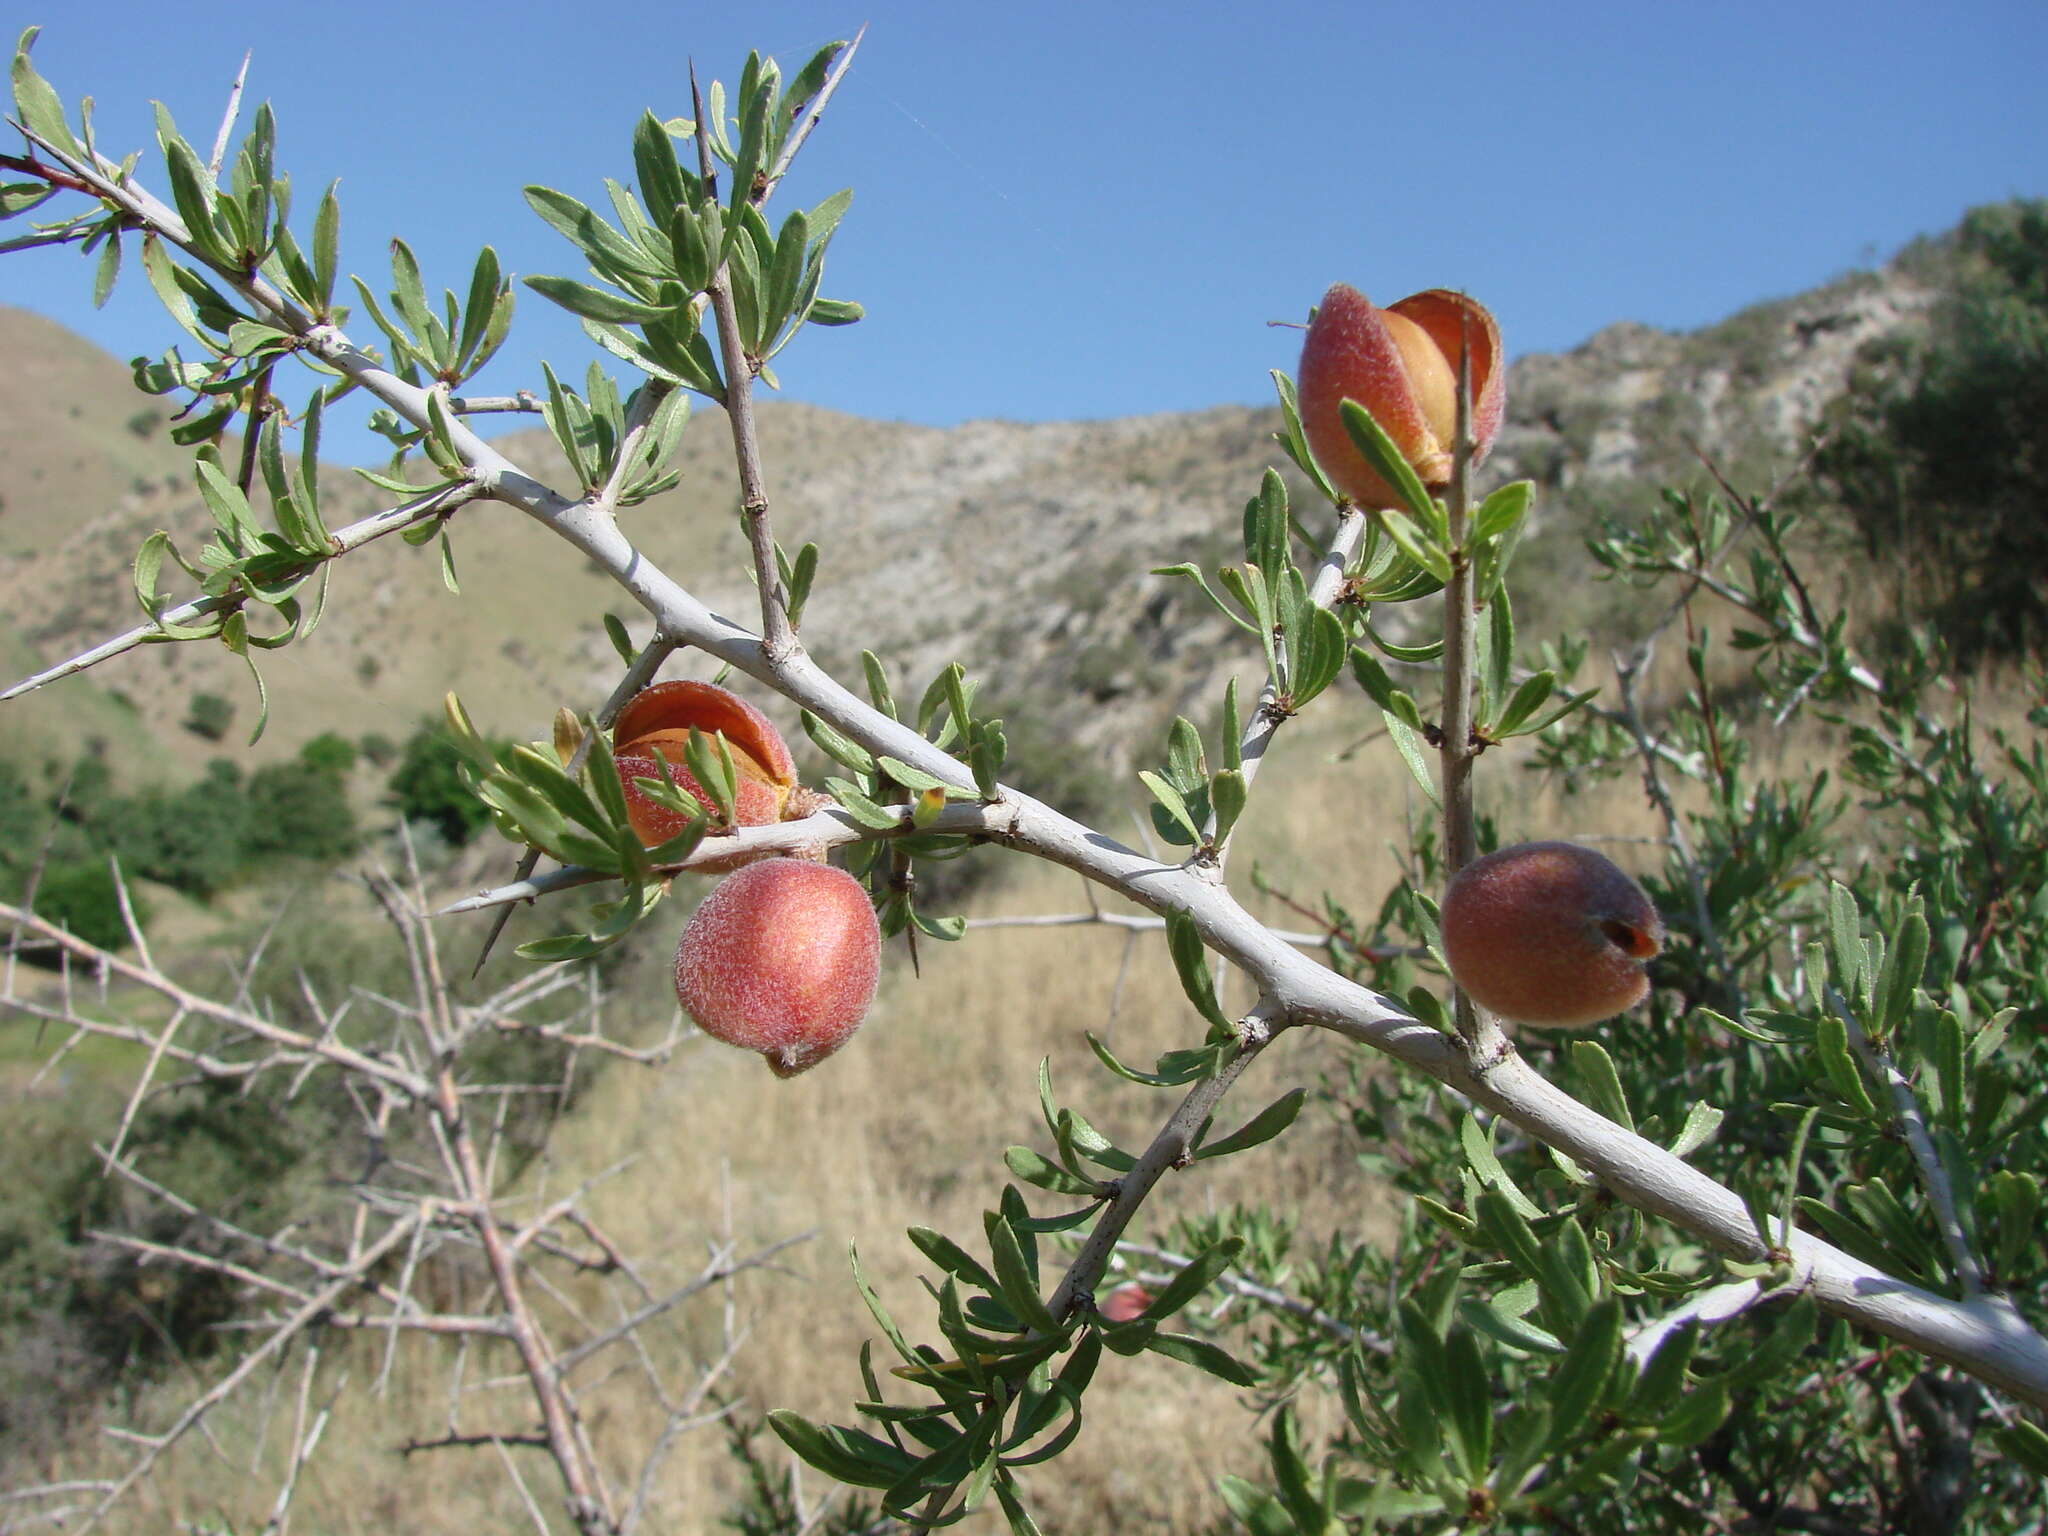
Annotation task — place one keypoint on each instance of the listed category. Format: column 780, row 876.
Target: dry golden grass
column 906, row 1126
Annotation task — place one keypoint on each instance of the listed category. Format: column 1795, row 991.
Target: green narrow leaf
column 915, row 779
column 1845, row 939
column 1602, row 1082
column 1477, row 1144
column 326, row 247
column 1324, row 646
column 149, row 560
column 594, row 303
column 1233, row 729
column 1180, row 825
column 1294, row 440
column 478, row 308
column 1386, row 459
column 1701, row 1121
column 107, row 271
column 2026, row 1443
column 1258, row 1511
column 230, row 508
column 878, row 684
column 615, row 631
column 1904, row 966
column 951, row 1257
column 841, row 749
column 1531, row 696
column 1266, row 526
column 1015, row 1275
column 1191, row 961
column 1262, row 1127
column 1578, row 1383
column 1849, row 1234
column 1507, row 1229
column 1838, row 1067
column 1697, row 1415
column 1497, row 654
column 1194, row 574
column 1509, row 1328
column 1662, row 1380
column 1380, row 688
column 1291, row 1476
column 844, row 1455
column 1408, row 742
column 1034, row 1168
column 38, row 105
column 1502, row 511
column 2016, row 1199
column 1193, row 1279
column 448, row 562
column 1205, row 1356
column 862, row 809
column 1228, row 794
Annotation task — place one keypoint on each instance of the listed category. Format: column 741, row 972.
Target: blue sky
column 1071, row 211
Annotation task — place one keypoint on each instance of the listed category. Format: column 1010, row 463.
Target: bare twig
column 813, row 112
column 778, row 636
column 155, row 1446
column 227, row 119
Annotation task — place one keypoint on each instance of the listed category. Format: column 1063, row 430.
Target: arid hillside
column 1022, row 550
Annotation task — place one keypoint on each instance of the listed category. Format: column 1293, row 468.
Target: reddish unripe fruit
column 757, row 804
column 1401, row 364
column 1127, row 1302
column 1549, row 933
column 781, row 958
column 656, row 723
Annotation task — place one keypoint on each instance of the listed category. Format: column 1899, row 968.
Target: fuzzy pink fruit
column 1401, row 364
column 782, row 958
column 1549, row 933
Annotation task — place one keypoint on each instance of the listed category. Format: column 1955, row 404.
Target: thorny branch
column 359, row 1267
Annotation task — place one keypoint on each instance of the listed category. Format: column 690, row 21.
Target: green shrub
column 80, row 894
column 209, row 715
column 300, row 811
column 331, row 752
column 428, row 786
column 1940, row 447
column 191, row 839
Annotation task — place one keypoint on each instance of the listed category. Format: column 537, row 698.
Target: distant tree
column 1940, row 446
column 80, row 894
column 299, row 811
column 209, row 715
column 428, row 786
column 331, row 752
column 191, row 839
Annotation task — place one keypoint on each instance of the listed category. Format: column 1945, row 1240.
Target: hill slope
column 1019, row 549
